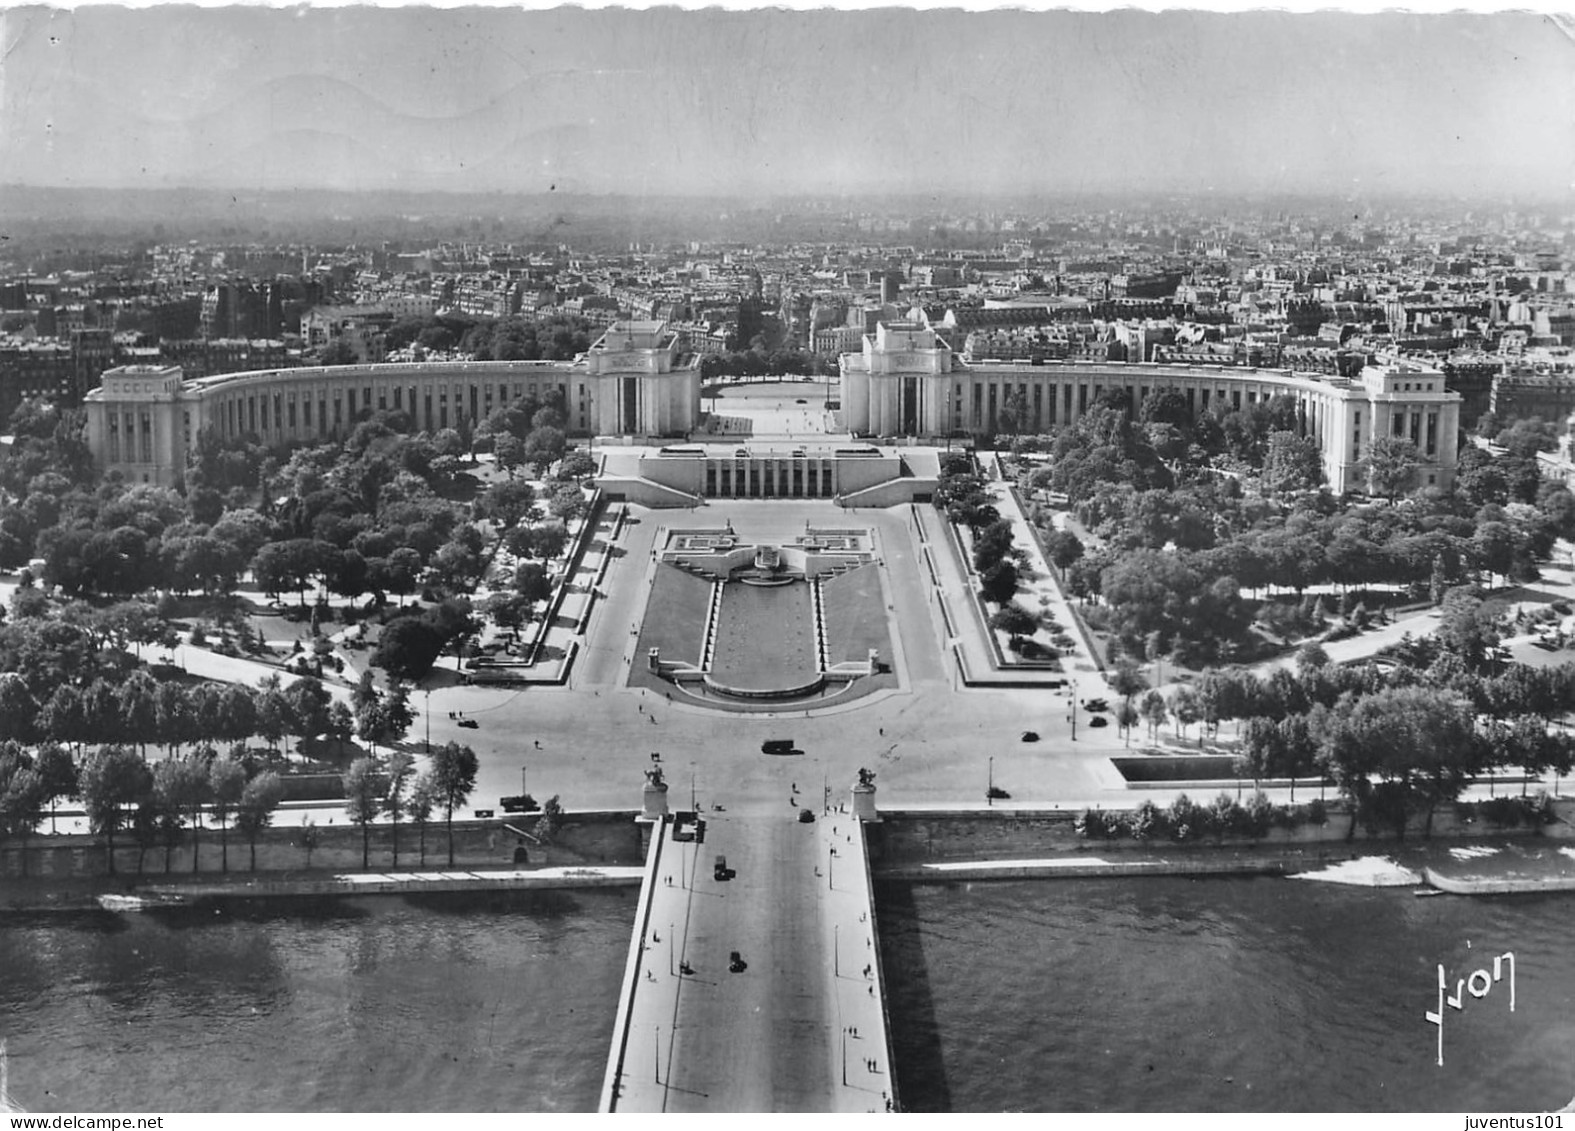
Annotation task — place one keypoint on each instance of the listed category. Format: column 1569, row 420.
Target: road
column 774, row 1035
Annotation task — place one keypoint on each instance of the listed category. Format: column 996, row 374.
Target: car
column 1096, row 705
column 801, row 400
column 470, row 724
column 1099, row 721
column 1030, row 736
column 778, row 746
column 736, row 963
column 805, row 817
column 721, row 872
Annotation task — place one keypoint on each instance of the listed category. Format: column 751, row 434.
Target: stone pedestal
column 864, row 804
column 653, row 801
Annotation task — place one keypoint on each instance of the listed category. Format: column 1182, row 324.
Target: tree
column 577, row 465
column 408, row 647
column 341, row 724
column 1063, row 547
column 1391, row 464
column 62, row 717
column 112, row 778
column 1126, row 718
column 543, row 542
column 174, row 723
column 1127, row 679
column 1468, row 627
column 22, row 792
column 1424, row 740
column 453, row 777
column 1015, row 621
column 1310, row 657
column 259, row 799
column 399, row 767
column 18, row 710
column 423, row 797
column 139, row 710
column 293, row 564
column 1292, row 463
column 180, row 789
column 59, row 775
column 309, row 704
column 1186, row 709
column 363, row 801
column 455, row 567
column 509, row 452
column 567, row 502
column 275, row 716
column 236, row 714
column 507, row 610
column 338, row 352
column 1013, row 413
column 227, row 786
column 999, row 582
column 1155, row 711
column 532, row 583
column 401, row 569
column 543, row 445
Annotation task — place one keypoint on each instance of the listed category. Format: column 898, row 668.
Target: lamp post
column 989, row 793
column 427, row 711
column 524, row 792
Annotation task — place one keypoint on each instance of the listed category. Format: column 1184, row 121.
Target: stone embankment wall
column 584, row 838
column 914, row 836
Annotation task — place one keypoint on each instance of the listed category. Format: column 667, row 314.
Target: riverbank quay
column 590, row 838
column 986, row 843
column 131, row 894
column 910, row 834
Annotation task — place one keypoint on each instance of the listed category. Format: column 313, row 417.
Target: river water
column 1078, row 995
column 1223, row 995
column 375, row 1004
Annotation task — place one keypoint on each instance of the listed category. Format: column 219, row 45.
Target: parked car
column 1099, row 721
column 1095, row 705
column 1030, row 736
column 805, row 817
column 470, row 724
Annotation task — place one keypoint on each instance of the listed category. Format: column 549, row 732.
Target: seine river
column 1079, row 995
column 375, row 1004
column 1223, row 995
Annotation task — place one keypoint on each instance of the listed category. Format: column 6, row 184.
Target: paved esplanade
column 799, row 1024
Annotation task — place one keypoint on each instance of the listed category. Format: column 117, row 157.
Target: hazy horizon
column 787, row 103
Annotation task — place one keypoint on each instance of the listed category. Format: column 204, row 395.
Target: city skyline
column 743, row 103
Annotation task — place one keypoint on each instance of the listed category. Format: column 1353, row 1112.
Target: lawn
column 855, row 615
column 675, row 615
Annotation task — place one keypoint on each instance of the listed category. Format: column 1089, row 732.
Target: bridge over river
column 799, row 1024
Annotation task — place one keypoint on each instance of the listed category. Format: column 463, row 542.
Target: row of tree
column 142, row 711
column 160, row 802
column 372, row 790
column 117, row 787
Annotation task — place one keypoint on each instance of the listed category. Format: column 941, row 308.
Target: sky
column 776, row 102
